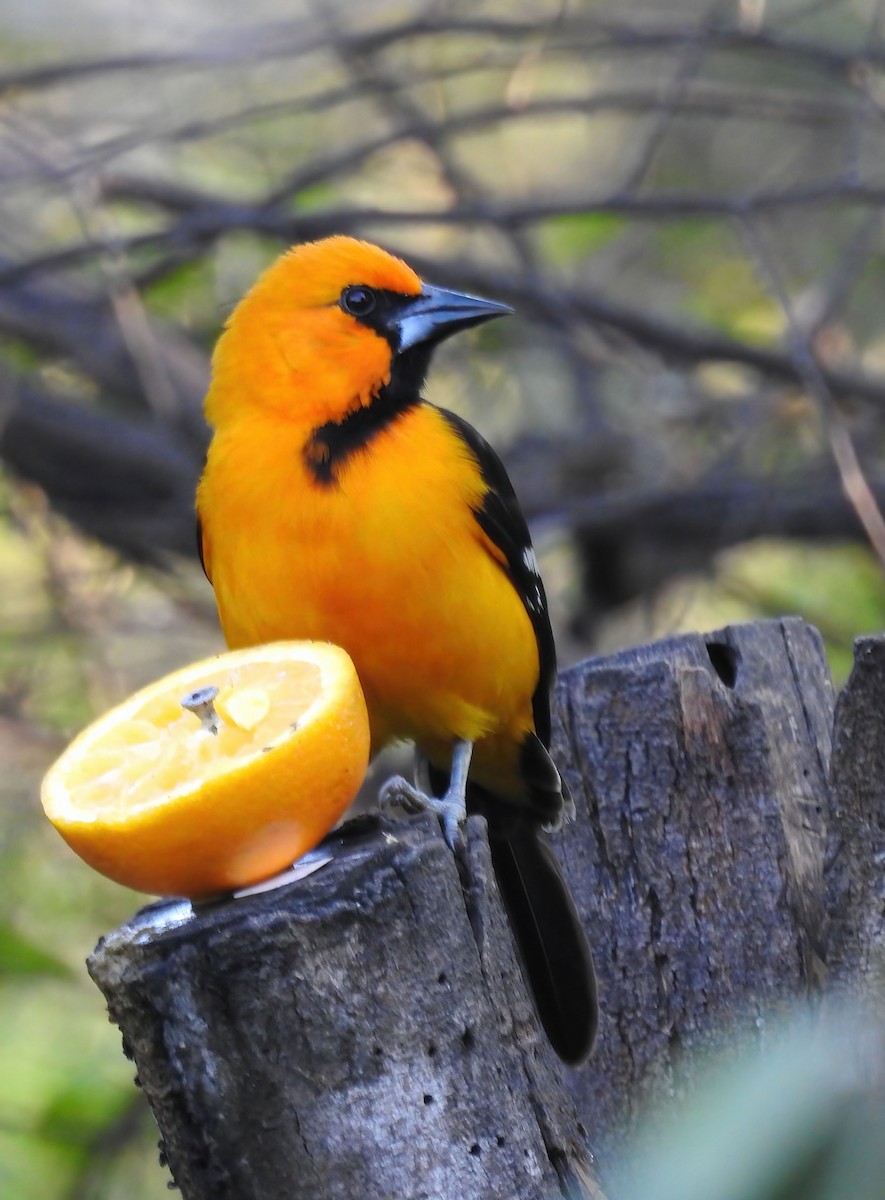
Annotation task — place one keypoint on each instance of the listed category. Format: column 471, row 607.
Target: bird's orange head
column 327, row 329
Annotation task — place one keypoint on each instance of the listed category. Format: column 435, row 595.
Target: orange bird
column 338, row 504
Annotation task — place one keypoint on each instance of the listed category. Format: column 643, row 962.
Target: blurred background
column 684, row 204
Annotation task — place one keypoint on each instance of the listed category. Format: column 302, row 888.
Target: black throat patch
column 332, row 444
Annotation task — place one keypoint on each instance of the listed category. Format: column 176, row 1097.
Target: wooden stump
column 699, row 768
column 364, row 1032
column 856, row 848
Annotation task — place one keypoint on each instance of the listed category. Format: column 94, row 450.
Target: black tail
column 555, row 954
column 551, row 940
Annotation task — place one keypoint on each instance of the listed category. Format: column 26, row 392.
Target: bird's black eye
column 359, row 301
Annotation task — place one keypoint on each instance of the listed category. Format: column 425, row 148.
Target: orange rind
column 151, row 797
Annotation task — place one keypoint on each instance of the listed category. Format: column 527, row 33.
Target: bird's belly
column 441, row 641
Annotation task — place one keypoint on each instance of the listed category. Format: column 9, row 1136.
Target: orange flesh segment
column 164, row 747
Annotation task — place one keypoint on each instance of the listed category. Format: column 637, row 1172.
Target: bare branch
column 854, row 481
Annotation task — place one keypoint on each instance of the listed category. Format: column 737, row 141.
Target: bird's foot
column 450, row 808
column 398, row 792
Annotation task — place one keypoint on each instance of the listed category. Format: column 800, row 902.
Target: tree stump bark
column 856, row 849
column 364, row 1032
column 699, row 766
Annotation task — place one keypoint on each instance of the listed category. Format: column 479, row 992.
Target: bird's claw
column 451, row 809
column 452, row 814
column 397, row 792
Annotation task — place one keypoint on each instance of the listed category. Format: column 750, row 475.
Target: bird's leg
column 450, row 808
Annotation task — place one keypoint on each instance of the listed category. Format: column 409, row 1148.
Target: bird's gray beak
column 437, row 313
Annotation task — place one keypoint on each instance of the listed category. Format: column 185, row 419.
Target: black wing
column 551, row 939
column 548, row 931
column 501, row 520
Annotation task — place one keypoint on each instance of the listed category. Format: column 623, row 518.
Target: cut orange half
column 225, row 790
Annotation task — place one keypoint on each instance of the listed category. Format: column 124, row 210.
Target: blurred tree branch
column 487, row 149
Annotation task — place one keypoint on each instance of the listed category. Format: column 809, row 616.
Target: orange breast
column 388, row 563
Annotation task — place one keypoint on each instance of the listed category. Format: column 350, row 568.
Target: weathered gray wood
column 364, row 1032
column 699, row 767
column 856, row 851
column 367, row 1031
